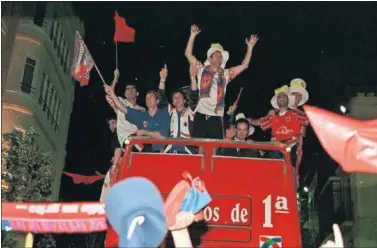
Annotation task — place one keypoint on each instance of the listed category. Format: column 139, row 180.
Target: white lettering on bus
column 212, row 214
column 237, row 215
column 281, row 207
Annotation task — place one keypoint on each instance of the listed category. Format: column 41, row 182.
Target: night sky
column 331, row 45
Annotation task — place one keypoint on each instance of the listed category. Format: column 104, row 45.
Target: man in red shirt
column 286, row 125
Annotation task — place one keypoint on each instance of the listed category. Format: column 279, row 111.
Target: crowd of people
column 199, row 112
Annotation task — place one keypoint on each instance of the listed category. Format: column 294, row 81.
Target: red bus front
column 254, row 200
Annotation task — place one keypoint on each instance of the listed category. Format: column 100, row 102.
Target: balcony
column 335, row 206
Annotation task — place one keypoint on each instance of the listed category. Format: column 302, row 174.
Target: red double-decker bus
column 254, row 199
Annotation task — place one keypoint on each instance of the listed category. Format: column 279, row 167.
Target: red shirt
column 287, row 126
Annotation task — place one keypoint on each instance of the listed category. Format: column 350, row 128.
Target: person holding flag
column 153, row 123
column 124, row 128
column 213, row 79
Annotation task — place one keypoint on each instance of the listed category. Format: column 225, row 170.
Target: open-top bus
column 254, row 199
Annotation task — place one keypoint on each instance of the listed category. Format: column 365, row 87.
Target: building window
column 63, row 51
column 42, row 93
column 66, row 61
column 50, row 102
column 27, row 79
column 57, row 117
column 54, row 25
column 57, row 35
column 40, row 13
column 46, row 94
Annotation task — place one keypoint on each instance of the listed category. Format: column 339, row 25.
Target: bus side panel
column 252, row 196
column 164, row 170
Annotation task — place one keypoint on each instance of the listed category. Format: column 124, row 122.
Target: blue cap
column 194, row 200
column 135, row 209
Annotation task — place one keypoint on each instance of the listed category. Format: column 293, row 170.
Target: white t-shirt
column 124, row 127
column 207, row 106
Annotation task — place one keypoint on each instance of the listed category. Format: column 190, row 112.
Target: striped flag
column 82, row 61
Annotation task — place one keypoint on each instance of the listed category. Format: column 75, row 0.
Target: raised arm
column 193, row 93
column 254, row 122
column 258, row 122
column 161, row 87
column 115, row 79
column 118, row 104
column 190, row 44
column 246, row 61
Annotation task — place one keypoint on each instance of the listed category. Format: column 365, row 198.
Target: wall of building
column 349, row 199
column 363, row 185
column 38, row 90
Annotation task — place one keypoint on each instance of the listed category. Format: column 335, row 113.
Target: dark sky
column 331, row 45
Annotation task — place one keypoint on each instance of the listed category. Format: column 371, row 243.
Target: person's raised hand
column 338, row 239
column 195, row 30
column 232, row 108
column 164, row 73
column 116, row 73
column 252, row 41
column 109, row 90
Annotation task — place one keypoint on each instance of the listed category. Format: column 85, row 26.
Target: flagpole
column 99, row 73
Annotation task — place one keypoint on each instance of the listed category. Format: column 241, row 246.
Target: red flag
column 352, row 143
column 77, row 179
column 123, row 33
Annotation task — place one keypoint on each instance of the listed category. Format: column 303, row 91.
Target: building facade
column 37, row 88
column 348, row 199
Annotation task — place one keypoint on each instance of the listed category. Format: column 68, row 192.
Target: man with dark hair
column 243, row 131
column 125, row 128
column 213, row 79
column 153, row 123
column 181, row 111
column 286, row 125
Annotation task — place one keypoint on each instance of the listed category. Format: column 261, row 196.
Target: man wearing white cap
column 298, row 90
column 212, row 81
column 285, row 124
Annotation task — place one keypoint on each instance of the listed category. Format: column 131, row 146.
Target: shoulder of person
column 139, row 108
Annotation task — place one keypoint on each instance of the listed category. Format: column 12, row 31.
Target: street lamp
column 306, row 189
column 343, row 109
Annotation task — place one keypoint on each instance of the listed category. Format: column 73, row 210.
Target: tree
column 27, row 176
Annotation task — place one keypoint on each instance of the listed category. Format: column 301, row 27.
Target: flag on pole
column 82, row 61
column 123, row 33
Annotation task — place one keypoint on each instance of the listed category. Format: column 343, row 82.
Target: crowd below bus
column 199, row 112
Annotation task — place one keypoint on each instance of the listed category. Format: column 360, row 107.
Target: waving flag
column 186, row 202
column 351, row 143
column 82, row 61
column 123, row 33
column 77, row 179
